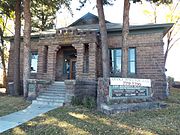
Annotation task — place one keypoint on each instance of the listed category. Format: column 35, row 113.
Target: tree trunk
column 125, row 32
column 17, row 41
column 104, row 41
column 27, row 46
column 3, row 67
column 4, row 71
column 2, row 47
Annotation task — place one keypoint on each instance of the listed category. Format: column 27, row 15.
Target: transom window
column 132, row 60
column 115, row 61
column 34, row 61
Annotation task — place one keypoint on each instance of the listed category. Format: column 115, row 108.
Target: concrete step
column 58, row 82
column 54, row 91
column 51, row 99
column 60, row 94
column 58, row 89
column 58, row 85
column 59, row 104
column 53, row 95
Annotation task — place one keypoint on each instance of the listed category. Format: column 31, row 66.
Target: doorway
column 70, row 68
column 66, row 63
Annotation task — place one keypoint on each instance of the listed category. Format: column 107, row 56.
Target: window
column 34, row 62
column 45, row 61
column 132, row 60
column 86, row 59
column 115, row 61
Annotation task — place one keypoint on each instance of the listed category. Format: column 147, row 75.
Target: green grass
column 81, row 121
column 9, row 104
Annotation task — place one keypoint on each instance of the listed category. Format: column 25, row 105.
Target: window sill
column 132, row 75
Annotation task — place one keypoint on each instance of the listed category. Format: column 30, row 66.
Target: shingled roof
column 87, row 19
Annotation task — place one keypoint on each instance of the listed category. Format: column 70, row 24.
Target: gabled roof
column 90, row 22
column 117, row 28
column 87, row 19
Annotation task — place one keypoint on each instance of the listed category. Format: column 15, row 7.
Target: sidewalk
column 20, row 117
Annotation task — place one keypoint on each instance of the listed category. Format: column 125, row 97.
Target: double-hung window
column 34, row 61
column 115, row 61
column 132, row 61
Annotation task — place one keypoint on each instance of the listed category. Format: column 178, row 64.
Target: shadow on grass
column 81, row 121
column 75, row 121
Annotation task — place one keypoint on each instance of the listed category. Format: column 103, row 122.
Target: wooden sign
column 129, row 88
column 116, row 92
column 130, row 82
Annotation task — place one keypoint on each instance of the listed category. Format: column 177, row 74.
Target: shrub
column 76, row 101
column 88, row 102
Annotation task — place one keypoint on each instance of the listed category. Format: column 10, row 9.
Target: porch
column 69, row 55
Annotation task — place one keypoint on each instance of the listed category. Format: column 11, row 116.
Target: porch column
column 92, row 61
column 40, row 62
column 80, row 57
column 52, row 50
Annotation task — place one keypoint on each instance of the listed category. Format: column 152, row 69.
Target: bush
column 88, row 102
column 76, row 101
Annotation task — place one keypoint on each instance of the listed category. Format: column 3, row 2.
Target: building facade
column 73, row 55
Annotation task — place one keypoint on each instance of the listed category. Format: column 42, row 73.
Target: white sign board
column 130, row 82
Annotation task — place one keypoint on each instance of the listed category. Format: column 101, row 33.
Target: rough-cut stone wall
column 80, row 89
column 85, row 88
column 149, row 51
column 149, row 59
column 10, row 73
column 59, row 65
column 70, row 90
column 102, row 91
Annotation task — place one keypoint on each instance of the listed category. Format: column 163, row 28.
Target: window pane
column 132, row 54
column 118, row 64
column 115, row 60
column 132, row 67
column 34, row 62
column 118, row 52
column 113, row 68
column 112, row 54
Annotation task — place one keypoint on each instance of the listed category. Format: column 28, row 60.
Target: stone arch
column 65, row 58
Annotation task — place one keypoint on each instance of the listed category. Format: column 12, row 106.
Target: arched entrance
column 66, row 63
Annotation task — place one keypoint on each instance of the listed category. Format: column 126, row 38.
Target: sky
column 115, row 14
column 137, row 16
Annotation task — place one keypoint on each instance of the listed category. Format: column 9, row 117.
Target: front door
column 72, row 69
column 66, row 64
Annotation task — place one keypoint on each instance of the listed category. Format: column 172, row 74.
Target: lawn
column 81, row 121
column 9, row 104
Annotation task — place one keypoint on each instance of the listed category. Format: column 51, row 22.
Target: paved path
column 20, row 117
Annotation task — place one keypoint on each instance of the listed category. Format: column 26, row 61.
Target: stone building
column 73, row 55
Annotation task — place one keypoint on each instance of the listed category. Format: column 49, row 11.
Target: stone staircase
column 54, row 95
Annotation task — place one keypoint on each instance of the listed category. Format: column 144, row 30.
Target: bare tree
column 27, row 46
column 2, row 54
column 173, row 16
column 17, row 38
column 125, row 32
column 104, row 41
